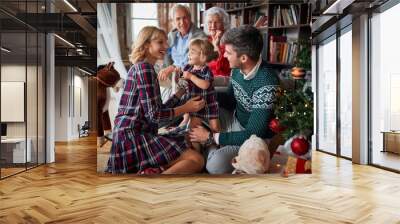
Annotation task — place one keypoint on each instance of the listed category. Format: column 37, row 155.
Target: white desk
column 16, row 147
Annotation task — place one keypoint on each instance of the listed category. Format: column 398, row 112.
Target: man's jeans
column 218, row 161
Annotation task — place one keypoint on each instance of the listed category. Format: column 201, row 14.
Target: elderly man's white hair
column 180, row 6
column 222, row 15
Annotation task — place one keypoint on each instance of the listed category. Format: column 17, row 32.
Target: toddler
column 200, row 78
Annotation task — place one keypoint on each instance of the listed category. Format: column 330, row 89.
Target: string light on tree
column 294, row 110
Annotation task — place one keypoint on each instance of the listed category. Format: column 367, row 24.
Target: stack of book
column 261, row 21
column 285, row 16
column 281, row 50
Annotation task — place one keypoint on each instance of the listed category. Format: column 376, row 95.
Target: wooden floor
column 10, row 171
column 70, row 191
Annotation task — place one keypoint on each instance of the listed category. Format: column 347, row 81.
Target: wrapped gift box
column 297, row 165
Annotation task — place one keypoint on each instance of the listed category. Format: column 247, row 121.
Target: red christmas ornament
column 275, row 126
column 299, row 146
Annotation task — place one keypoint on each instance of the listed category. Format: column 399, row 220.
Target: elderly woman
column 216, row 23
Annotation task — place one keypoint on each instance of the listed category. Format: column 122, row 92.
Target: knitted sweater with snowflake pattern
column 253, row 100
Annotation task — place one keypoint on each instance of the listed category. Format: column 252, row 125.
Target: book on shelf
column 261, row 21
column 220, row 4
column 236, row 20
column 252, row 17
column 285, row 15
column 294, row 14
column 234, row 5
column 282, row 50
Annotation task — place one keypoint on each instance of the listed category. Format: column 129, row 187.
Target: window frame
column 378, row 10
column 346, row 26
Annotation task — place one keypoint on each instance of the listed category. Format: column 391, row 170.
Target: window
column 385, row 89
column 143, row 14
column 327, row 96
column 345, row 42
column 22, row 76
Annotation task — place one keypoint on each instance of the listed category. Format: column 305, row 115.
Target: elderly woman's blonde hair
column 145, row 36
column 220, row 12
column 179, row 6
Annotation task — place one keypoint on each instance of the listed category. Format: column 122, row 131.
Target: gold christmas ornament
column 298, row 73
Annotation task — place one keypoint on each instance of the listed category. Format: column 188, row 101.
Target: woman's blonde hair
column 206, row 48
column 147, row 34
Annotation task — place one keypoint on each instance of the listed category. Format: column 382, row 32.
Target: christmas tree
column 294, row 109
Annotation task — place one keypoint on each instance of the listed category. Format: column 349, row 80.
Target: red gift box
column 296, row 165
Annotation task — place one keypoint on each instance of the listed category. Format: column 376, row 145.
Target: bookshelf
column 283, row 25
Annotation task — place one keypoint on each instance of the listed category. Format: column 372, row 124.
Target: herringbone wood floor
column 70, row 191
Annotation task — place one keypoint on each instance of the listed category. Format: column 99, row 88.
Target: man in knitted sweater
column 250, row 98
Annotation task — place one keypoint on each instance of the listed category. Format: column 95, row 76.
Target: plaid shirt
column 210, row 110
column 136, row 143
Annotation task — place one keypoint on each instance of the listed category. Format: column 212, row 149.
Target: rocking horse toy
column 106, row 77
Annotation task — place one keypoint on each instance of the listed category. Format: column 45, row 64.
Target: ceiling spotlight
column 65, row 41
column 5, row 50
column 70, row 5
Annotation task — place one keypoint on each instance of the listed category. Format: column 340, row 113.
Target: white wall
column 33, row 126
column 13, row 73
column 61, row 103
column 70, row 83
column 80, row 103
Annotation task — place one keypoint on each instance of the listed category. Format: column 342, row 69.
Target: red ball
column 299, row 146
column 275, row 126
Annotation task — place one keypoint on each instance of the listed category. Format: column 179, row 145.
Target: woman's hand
column 166, row 72
column 195, row 104
column 199, row 134
column 216, row 37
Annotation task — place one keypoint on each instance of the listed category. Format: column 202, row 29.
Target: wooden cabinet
column 391, row 141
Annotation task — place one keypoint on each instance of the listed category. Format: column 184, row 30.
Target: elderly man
column 251, row 95
column 178, row 40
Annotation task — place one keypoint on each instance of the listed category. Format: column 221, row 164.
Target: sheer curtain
column 108, row 48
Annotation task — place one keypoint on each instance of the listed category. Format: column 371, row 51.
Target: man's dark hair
column 246, row 40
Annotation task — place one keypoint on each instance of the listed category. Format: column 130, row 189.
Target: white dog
column 253, row 157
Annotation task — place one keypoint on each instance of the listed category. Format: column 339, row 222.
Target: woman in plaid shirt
column 137, row 147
